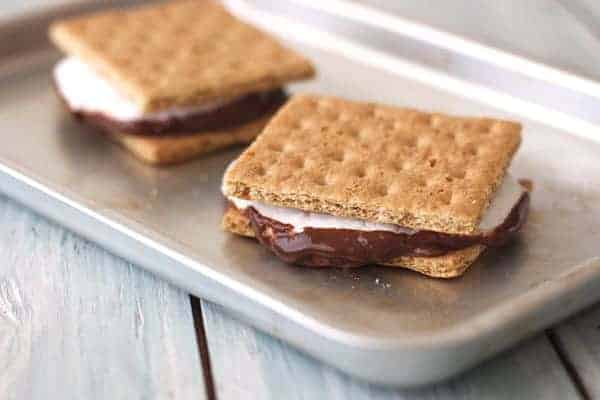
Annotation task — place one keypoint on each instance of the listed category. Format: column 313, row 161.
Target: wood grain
column 79, row 323
column 250, row 365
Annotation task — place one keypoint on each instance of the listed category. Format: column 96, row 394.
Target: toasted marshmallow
column 507, row 196
column 85, row 90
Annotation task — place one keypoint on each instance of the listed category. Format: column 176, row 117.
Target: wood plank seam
column 115, row 331
column 203, row 348
column 568, row 364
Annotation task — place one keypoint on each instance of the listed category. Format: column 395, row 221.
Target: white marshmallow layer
column 507, row 196
column 85, row 90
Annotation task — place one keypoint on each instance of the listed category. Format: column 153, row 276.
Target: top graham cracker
column 376, row 163
column 179, row 53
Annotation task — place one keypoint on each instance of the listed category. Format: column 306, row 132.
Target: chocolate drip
column 318, row 247
column 239, row 112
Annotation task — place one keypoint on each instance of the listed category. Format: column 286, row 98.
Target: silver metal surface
column 523, row 83
column 384, row 325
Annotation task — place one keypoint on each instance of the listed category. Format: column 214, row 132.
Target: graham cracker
column 179, row 53
column 447, row 266
column 174, row 149
column 451, row 265
column 377, row 163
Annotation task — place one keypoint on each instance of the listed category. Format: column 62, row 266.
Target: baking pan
column 496, row 77
column 383, row 325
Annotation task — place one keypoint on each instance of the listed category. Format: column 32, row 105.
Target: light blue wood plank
column 579, row 339
column 79, row 323
column 250, row 365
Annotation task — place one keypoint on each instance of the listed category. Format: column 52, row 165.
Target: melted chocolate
column 317, row 247
column 239, row 112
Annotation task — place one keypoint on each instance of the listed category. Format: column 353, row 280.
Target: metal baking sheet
column 524, row 83
column 383, row 325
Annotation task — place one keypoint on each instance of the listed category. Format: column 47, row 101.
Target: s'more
column 173, row 80
column 337, row 183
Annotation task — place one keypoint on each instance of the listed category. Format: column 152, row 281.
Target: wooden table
column 79, row 323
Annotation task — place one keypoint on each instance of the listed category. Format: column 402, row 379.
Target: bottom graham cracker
column 174, row 149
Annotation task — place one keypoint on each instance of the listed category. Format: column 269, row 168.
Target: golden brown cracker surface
column 179, row 53
column 378, row 163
